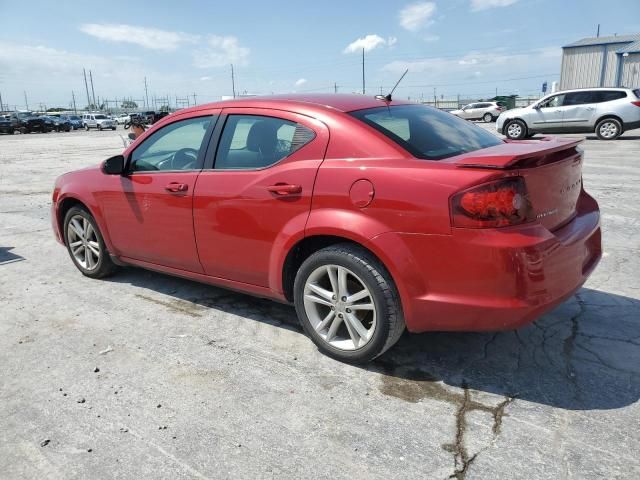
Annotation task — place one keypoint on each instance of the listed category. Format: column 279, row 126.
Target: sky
column 470, row 48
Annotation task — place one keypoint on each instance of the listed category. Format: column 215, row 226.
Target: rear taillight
column 500, row 203
column 637, row 104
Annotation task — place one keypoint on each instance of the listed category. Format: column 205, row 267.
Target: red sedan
column 369, row 215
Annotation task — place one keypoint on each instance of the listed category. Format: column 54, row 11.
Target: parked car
column 59, row 124
column 123, row 118
column 27, row 122
column 97, row 120
column 6, row 126
column 608, row 112
column 368, row 215
column 74, row 120
column 486, row 111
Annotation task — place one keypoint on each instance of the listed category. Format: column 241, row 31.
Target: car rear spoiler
column 519, row 153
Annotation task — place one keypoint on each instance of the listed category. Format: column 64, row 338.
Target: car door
column 468, row 111
column 548, row 116
column 149, row 209
column 579, row 110
column 259, row 187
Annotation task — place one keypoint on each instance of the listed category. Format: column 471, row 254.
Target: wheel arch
column 306, row 247
column 604, row 116
column 509, row 120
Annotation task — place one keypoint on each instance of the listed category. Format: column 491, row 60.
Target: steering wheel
column 184, row 159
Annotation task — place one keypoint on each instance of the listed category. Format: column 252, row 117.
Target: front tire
column 348, row 304
column 608, row 129
column 487, row 117
column 85, row 244
column 86, row 127
column 515, row 130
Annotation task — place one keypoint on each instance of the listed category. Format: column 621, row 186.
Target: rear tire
column 515, row 130
column 85, row 244
column 352, row 331
column 487, row 117
column 608, row 129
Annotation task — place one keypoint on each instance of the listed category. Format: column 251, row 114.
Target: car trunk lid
column 552, row 169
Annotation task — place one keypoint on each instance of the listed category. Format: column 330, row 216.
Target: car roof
column 321, row 101
column 592, row 88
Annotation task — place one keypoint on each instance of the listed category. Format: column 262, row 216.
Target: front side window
column 252, row 141
column 173, row 147
column 553, row 102
column 425, row 132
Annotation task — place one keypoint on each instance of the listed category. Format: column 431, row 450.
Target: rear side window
column 426, row 132
column 636, row 92
column 609, row 95
column 579, row 98
column 250, row 142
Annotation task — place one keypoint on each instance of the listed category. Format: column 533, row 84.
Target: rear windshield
column 427, row 132
column 99, row 117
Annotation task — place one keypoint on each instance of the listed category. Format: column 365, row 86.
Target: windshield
column 74, row 117
column 100, row 117
column 426, row 132
column 24, row 114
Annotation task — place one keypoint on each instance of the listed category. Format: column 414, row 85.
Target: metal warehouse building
column 601, row 62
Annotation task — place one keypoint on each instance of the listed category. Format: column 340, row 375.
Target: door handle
column 590, row 108
column 285, row 189
column 175, row 187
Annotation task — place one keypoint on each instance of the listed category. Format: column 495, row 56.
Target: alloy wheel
column 340, row 307
column 514, row 130
column 608, row 130
column 83, row 242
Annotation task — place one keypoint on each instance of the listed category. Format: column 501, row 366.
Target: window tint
column 252, row 141
column 174, row 147
column 579, row 98
column 426, row 132
column 609, row 95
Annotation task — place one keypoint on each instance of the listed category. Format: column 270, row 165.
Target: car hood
column 514, row 112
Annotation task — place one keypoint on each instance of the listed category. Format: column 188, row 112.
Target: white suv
column 487, row 111
column 606, row 111
column 97, row 120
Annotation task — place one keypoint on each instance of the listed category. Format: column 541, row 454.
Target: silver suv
column 606, row 111
column 487, row 111
column 97, row 120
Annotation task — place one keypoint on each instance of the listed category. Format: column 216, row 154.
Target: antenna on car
column 387, row 97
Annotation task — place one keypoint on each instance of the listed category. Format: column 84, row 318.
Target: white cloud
column 476, row 62
column 151, row 38
column 391, row 41
column 477, row 5
column 417, row 15
column 205, row 78
column 300, row 82
column 368, row 42
column 431, row 38
column 221, row 51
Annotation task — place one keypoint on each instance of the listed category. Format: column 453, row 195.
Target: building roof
column 613, row 39
column 631, row 48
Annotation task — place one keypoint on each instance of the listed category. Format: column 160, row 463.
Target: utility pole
column 146, row 93
column 73, row 96
column 598, row 32
column 194, row 98
column 233, row 82
column 1, row 107
column 435, row 98
column 26, row 102
column 363, row 89
column 86, row 87
column 93, row 93
column 335, row 87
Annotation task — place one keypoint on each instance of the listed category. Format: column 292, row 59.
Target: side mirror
column 114, row 165
column 131, row 136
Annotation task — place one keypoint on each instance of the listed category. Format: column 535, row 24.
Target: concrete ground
column 148, row 376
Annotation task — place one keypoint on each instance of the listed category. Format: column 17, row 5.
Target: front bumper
column 493, row 279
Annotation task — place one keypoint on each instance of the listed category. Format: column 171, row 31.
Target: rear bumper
column 494, row 279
